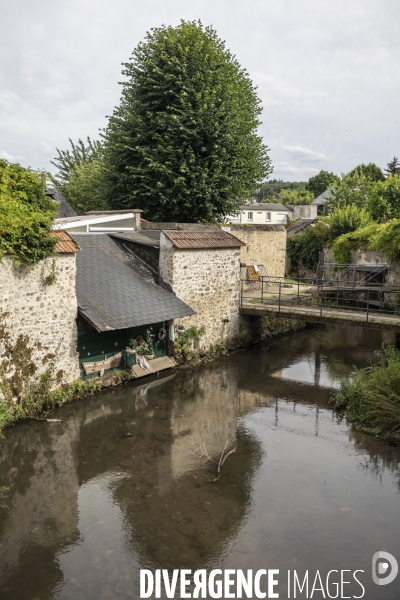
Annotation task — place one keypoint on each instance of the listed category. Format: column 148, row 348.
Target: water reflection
column 119, row 484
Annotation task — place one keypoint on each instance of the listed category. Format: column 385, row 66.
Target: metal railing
column 322, row 296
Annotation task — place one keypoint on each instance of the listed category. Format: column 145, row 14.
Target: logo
column 384, row 568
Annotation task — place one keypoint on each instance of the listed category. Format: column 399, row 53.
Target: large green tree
column 321, row 182
column 79, row 175
column 393, row 167
column 370, row 171
column 355, row 189
column 183, row 143
column 384, row 202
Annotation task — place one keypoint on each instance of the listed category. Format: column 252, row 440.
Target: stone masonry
column 208, row 280
column 45, row 313
column 265, row 245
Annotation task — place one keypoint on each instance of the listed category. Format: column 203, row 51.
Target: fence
column 321, row 295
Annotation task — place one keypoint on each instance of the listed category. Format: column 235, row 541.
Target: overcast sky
column 327, row 73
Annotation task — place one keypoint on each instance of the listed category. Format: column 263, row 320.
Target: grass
column 371, row 401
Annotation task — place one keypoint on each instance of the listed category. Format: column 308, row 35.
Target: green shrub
column 346, row 219
column 385, row 199
column 304, row 248
column 191, row 336
column 26, row 215
column 371, row 402
column 383, row 237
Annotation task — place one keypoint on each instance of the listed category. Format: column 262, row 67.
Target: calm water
column 89, row 505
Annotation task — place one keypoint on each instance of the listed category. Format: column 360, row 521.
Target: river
column 127, row 479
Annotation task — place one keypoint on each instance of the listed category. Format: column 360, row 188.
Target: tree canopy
column 80, row 175
column 183, row 143
column 371, row 171
column 26, row 214
column 321, row 182
column 393, row 167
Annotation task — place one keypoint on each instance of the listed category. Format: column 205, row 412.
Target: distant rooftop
column 322, row 198
column 114, row 212
column 64, row 209
column 264, row 206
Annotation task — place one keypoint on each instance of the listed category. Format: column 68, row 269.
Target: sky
column 327, row 72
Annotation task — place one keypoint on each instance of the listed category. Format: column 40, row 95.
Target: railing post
column 279, row 303
column 367, row 303
column 380, row 298
column 241, row 293
column 262, row 288
column 320, row 299
column 298, row 293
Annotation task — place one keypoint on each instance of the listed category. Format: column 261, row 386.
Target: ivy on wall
column 26, row 215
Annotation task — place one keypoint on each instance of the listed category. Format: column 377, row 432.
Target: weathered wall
column 303, row 211
column 265, row 245
column 44, row 313
column 208, row 280
column 362, row 256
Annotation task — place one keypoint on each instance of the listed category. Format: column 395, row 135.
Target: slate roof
column 322, row 198
column 299, row 226
column 64, row 209
column 264, row 206
column 114, row 294
column 147, row 238
column 203, row 239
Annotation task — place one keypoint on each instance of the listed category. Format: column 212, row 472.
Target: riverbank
column 371, row 401
column 43, row 396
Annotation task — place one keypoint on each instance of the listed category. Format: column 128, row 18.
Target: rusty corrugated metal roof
column 203, row 239
column 65, row 244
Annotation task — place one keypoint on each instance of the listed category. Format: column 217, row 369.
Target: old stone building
column 38, row 311
column 203, row 269
column 264, row 245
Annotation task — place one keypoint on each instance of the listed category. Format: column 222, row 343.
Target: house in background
column 319, row 204
column 261, row 214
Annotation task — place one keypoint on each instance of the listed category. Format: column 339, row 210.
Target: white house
column 262, row 213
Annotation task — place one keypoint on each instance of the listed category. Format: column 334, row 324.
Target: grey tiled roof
column 114, row 294
column 299, row 226
column 147, row 238
column 263, row 206
column 64, row 209
column 322, row 198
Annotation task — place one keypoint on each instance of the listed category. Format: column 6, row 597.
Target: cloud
column 46, row 149
column 304, row 155
column 284, row 170
column 272, row 89
column 10, row 157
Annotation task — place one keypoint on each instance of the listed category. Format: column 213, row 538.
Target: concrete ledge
column 157, row 364
column 310, row 315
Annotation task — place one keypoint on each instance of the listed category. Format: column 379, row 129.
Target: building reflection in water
column 120, row 483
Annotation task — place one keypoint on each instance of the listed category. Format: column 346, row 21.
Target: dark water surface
column 89, row 505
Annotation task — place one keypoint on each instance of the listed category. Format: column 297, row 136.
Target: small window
column 250, row 216
column 268, row 216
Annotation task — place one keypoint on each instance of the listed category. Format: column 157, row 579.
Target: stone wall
column 208, row 280
column 303, row 211
column 46, row 314
column 363, row 256
column 265, row 245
